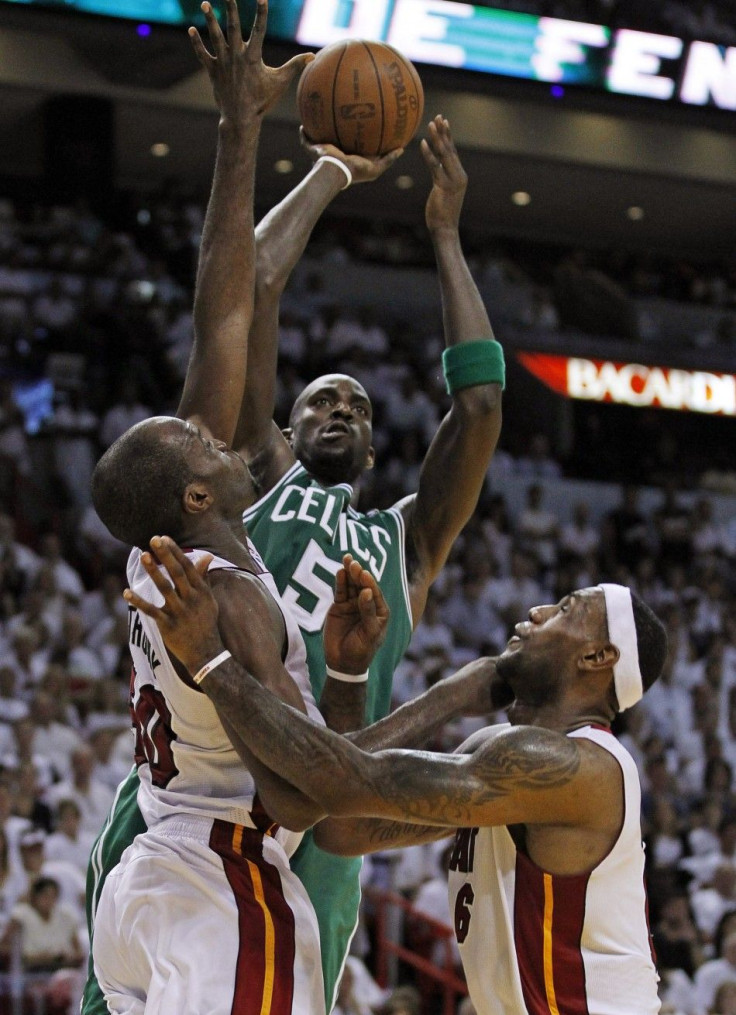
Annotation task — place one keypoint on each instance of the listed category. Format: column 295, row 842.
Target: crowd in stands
column 102, row 312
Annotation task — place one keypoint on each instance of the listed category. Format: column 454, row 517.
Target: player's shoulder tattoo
column 525, row 758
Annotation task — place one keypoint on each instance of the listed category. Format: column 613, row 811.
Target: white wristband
column 337, row 162
column 211, row 665
column 347, row 678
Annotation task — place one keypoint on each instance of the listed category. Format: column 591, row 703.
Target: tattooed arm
column 521, row 774
column 358, row 836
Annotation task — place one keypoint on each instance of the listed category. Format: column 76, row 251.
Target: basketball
column 363, row 97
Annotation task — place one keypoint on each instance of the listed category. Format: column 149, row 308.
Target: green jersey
column 123, row 823
column 302, row 529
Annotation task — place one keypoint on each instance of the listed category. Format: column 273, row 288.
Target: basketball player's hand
column 356, row 621
column 245, row 88
column 479, row 688
column 449, row 179
column 364, row 169
column 187, row 619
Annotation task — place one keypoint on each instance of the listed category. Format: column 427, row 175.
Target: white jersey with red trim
column 545, row 944
column 187, row 764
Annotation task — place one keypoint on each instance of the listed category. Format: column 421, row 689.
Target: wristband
column 471, row 363
column 337, row 162
column 210, row 666
column 347, row 678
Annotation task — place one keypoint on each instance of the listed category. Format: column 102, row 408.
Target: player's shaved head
column 138, row 484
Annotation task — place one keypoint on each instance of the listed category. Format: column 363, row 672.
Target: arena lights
column 634, row 383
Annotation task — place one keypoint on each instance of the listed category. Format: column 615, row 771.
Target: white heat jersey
column 545, row 944
column 187, row 764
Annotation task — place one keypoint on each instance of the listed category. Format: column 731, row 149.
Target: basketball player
column 304, row 521
column 177, row 472
column 546, row 876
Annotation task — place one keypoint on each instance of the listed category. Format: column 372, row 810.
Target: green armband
column 472, row 363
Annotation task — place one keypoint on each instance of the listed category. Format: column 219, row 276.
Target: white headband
column 622, row 634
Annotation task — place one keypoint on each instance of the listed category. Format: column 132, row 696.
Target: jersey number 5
column 309, row 594
column 153, row 735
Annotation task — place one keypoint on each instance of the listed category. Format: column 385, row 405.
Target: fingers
column 365, row 587
column 215, row 32
column 234, row 34
column 341, row 586
column 180, row 568
column 439, row 152
column 159, row 579
column 386, row 161
column 431, row 160
column 134, row 600
column 202, row 565
column 258, row 32
column 199, row 48
column 367, row 604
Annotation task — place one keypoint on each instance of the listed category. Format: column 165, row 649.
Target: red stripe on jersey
column 549, row 911
column 264, row 977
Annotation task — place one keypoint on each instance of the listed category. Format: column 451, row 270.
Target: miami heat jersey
column 544, row 944
column 187, row 764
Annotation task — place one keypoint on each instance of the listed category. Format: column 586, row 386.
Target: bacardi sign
column 634, row 383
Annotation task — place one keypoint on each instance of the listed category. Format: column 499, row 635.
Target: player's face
column 544, row 649
column 332, row 429
column 221, row 468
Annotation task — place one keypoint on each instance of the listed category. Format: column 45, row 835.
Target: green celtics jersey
column 123, row 823
column 302, row 529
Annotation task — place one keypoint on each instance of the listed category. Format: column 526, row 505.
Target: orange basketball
column 363, row 97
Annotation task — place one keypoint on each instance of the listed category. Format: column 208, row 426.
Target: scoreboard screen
column 447, row 33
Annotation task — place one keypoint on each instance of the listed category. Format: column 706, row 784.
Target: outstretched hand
column 449, row 179
column 356, row 621
column 364, row 169
column 187, row 619
column 243, row 85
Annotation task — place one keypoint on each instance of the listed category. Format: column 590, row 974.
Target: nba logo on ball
column 363, row 97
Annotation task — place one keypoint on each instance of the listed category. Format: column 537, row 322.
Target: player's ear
column 599, row 657
column 196, row 499
column 288, row 433
column 370, row 459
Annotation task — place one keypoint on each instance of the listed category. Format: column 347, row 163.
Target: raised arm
column 281, row 238
column 455, row 465
column 518, row 774
column 244, row 89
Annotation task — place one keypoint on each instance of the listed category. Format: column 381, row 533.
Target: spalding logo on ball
column 363, row 97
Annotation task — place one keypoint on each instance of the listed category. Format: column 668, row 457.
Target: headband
column 622, row 634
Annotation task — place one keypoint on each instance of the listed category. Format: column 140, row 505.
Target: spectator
column 711, row 975
column 626, row 537
column 579, row 539
column 711, row 902
column 126, row 412
column 538, row 463
column 90, row 794
column 68, row 581
column 47, row 929
column 724, row 1003
column 69, row 843
column 537, row 529
column 676, row 940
